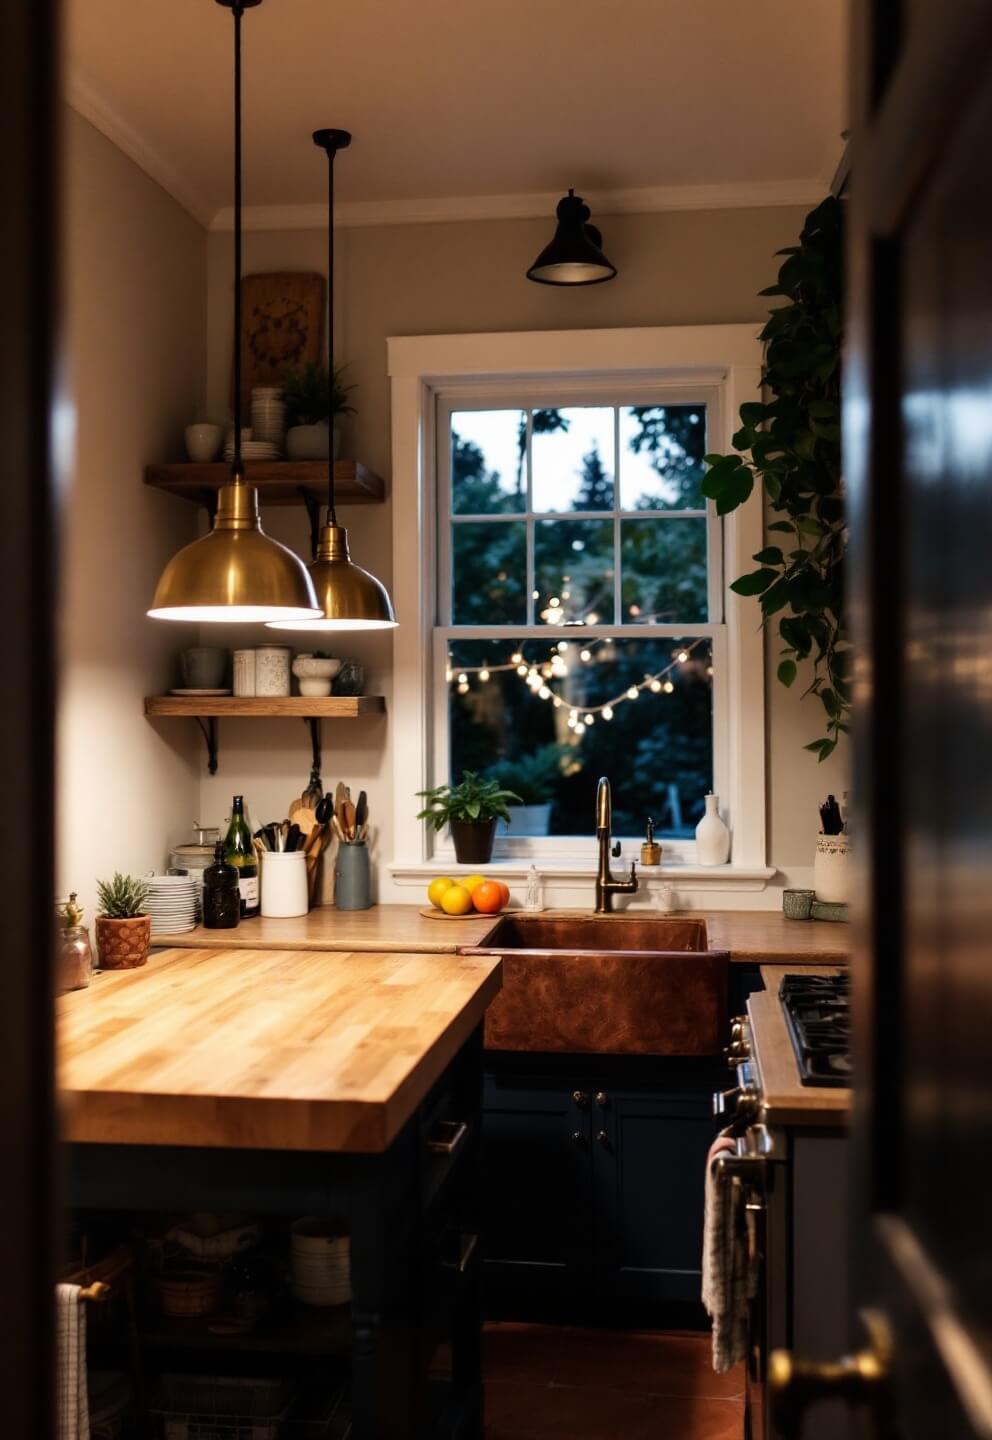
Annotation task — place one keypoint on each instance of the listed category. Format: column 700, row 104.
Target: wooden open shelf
column 278, row 482
column 337, row 707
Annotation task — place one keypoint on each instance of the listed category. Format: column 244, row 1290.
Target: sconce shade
column 575, row 255
column 350, row 598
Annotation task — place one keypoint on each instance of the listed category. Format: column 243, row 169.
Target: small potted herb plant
column 313, row 396
column 470, row 809
column 123, row 926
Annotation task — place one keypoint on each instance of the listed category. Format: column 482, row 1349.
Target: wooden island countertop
column 787, row 1101
column 752, row 937
column 264, row 1049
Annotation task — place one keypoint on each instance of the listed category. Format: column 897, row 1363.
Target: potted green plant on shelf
column 123, row 926
column 533, row 777
column 470, row 809
column 313, row 396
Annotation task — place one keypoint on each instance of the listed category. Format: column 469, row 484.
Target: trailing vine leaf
column 791, row 447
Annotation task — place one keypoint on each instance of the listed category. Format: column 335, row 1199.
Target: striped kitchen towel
column 725, row 1288
column 73, row 1410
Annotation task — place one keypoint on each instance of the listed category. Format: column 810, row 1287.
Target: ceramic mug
column 203, row 443
column 203, row 667
column 272, row 670
column 244, row 672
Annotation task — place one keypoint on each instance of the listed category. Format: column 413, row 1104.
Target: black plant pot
column 473, row 841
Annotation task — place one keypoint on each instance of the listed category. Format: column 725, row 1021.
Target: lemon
column 456, row 900
column 472, row 882
column 437, row 888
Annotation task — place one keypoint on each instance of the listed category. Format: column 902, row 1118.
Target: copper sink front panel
column 604, row 933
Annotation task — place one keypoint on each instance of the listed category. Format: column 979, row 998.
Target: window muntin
column 557, row 519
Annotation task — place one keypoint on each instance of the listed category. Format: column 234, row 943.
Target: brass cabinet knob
column 580, row 1098
column 578, row 1137
column 602, row 1098
column 602, row 1137
column 861, row 1379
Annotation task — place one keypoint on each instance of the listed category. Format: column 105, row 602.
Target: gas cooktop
column 818, row 1018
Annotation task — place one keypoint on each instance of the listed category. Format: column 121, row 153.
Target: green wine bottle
column 239, row 852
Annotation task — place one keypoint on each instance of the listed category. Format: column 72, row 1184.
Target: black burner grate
column 818, row 1018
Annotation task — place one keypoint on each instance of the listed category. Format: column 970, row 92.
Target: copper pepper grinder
column 650, row 850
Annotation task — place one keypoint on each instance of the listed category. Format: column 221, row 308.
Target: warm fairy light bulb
column 655, row 686
column 483, row 674
column 547, row 671
column 635, row 609
column 709, row 669
column 633, row 693
column 592, row 618
column 585, row 655
column 682, row 656
column 562, row 647
column 558, row 703
column 554, row 602
column 558, row 667
column 566, row 594
column 463, row 678
column 516, row 658
column 607, row 712
column 536, row 594
column 668, row 687
column 573, row 715
column 544, row 693
column 521, row 669
column 463, row 687
column 588, row 719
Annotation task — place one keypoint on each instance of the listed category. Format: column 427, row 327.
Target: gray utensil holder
column 351, row 878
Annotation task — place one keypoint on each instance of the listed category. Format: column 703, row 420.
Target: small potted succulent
column 470, row 809
column 123, row 926
column 313, row 396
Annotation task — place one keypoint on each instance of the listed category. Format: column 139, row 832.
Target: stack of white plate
column 268, row 414
column 253, row 450
column 173, row 902
column 320, row 1262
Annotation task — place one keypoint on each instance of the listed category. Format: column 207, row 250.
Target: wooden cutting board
column 282, row 324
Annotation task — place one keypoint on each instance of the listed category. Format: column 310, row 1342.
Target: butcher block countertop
column 752, row 937
column 787, row 1100
column 264, row 1049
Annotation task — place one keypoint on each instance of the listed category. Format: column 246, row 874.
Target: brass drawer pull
column 447, row 1137
column 469, row 1243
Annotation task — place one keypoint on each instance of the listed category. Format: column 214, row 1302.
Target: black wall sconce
column 575, row 255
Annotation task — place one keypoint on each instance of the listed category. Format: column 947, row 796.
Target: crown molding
column 88, row 103
column 642, row 201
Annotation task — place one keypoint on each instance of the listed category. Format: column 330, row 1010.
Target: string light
column 584, row 655
column 668, row 687
column 607, row 712
column 633, row 693
column 483, row 674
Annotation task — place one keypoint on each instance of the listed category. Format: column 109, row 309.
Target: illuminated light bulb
column 607, row 712
column 547, row 671
column 573, row 715
column 483, row 674
column 449, row 674
column 463, row 678
column 635, row 609
column 544, row 693
column 566, row 594
column 558, row 703
column 608, row 640
column 709, row 669
column 558, row 667
column 592, row 618
column 633, row 693
column 521, row 669
column 463, row 688
column 585, row 655
column 668, row 687
column 554, row 602
column 655, row 686
column 536, row 594
column 516, row 659
column 682, row 656
column 562, row 647
column 501, row 575
column 588, row 719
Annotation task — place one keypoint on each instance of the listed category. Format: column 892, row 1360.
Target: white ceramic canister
column 830, row 863
column 712, row 835
column 272, row 669
column 243, row 670
column 284, row 883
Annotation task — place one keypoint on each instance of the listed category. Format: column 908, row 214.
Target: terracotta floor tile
column 698, row 1418
column 530, row 1352
column 520, row 1411
column 649, row 1362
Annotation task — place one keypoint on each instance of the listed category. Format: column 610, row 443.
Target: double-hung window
column 573, row 600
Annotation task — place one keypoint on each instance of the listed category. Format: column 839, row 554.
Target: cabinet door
column 649, row 1156
column 536, row 1187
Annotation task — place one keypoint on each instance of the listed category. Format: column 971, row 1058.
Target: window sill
column 685, row 877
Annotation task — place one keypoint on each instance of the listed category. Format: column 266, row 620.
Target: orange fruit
column 456, row 900
column 437, row 888
column 488, row 897
column 472, row 883
column 504, row 891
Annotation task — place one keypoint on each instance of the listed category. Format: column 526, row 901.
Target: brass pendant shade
column 236, row 573
column 349, row 597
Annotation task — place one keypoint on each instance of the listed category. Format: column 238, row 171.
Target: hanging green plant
column 791, row 445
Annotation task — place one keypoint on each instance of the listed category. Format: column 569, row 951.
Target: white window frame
column 720, row 364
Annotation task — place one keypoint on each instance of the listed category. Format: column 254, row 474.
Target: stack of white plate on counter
column 320, row 1262
column 173, row 902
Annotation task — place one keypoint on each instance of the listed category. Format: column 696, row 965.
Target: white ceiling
column 683, row 101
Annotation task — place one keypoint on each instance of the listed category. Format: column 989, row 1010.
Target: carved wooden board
column 282, row 324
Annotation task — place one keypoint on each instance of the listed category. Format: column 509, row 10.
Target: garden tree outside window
column 579, row 605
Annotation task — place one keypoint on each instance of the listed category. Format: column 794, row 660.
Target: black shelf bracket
column 208, row 725
column 316, row 751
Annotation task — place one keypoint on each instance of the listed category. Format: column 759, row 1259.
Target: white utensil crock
column 830, row 868
column 284, row 883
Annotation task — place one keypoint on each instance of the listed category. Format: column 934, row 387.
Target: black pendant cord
column 237, row 467
column 332, row 514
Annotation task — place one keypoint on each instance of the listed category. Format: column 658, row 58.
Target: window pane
column 657, row 749
column 488, row 462
column 663, row 565
column 489, row 572
column 661, row 457
column 573, row 458
column 573, row 571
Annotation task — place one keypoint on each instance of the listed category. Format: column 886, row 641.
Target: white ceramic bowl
column 310, row 668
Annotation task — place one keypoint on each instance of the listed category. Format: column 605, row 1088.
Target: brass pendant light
column 236, row 573
column 350, row 597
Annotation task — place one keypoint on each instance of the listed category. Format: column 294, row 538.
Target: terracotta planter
column 123, row 944
column 473, row 841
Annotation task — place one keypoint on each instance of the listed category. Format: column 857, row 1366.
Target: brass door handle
column 861, row 1379
column 580, row 1098
column 578, row 1137
column 602, row 1137
column 602, row 1098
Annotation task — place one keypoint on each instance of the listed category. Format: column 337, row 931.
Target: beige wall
column 702, row 267
column 135, row 312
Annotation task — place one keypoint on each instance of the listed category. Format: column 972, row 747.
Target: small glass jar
column 74, row 958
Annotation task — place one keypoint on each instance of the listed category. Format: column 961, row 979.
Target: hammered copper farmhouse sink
column 606, row 985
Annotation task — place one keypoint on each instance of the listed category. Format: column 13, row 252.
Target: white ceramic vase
column 712, row 835
column 830, row 863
